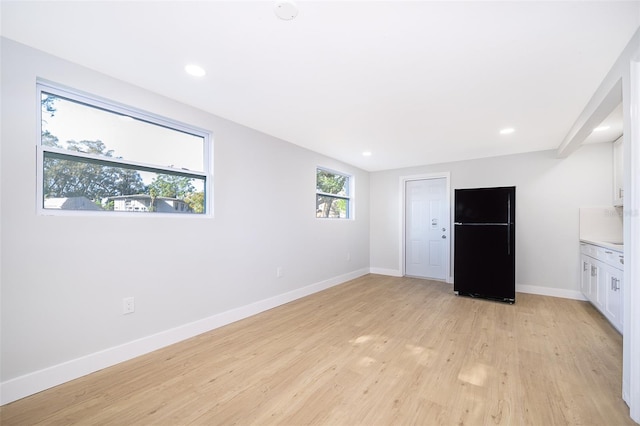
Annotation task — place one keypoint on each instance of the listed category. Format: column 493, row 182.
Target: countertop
column 611, row 245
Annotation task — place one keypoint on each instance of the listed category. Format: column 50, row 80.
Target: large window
column 95, row 155
column 333, row 199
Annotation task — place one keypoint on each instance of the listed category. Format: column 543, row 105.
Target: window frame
column 349, row 197
column 94, row 101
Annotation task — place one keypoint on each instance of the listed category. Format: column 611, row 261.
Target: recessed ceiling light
column 367, row 153
column 286, row 9
column 195, row 70
column 600, row 128
column 507, row 131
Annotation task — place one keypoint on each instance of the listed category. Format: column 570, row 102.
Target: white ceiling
column 415, row 82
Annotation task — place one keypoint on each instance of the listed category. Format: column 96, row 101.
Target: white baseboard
column 521, row 288
column 397, row 273
column 37, row 381
column 383, row 271
column 549, row 291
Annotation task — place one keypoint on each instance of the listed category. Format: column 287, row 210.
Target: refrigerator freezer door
column 485, row 205
column 484, row 261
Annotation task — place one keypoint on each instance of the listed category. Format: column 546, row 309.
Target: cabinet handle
column 608, row 252
column 593, row 271
column 584, row 266
column 615, row 284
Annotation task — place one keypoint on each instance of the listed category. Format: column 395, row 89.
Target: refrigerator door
column 485, row 205
column 484, row 262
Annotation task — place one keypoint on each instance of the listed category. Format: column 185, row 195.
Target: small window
column 333, row 194
column 99, row 156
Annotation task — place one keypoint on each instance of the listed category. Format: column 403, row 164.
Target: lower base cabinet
column 601, row 281
column 613, row 298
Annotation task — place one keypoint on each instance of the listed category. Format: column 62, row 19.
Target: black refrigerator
column 484, row 263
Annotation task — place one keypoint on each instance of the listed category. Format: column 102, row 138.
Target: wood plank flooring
column 374, row 351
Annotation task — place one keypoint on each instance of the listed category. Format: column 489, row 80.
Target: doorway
column 426, row 224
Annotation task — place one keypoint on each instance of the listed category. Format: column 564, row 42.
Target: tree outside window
column 128, row 163
column 332, row 194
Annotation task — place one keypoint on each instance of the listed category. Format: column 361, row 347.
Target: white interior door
column 426, row 228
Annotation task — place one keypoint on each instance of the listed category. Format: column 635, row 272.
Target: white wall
column 549, row 192
column 63, row 278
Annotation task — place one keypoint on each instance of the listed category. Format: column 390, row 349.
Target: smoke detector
column 286, row 9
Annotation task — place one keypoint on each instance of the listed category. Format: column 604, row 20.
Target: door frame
column 403, row 196
column 631, row 287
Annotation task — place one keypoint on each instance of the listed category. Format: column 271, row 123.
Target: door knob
column 444, row 236
column 444, row 229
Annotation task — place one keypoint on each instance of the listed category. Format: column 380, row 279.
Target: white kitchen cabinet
column 618, row 187
column 601, row 280
column 613, row 297
column 585, row 276
column 591, row 275
column 592, row 281
column 599, row 283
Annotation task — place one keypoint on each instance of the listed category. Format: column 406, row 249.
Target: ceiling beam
column 606, row 98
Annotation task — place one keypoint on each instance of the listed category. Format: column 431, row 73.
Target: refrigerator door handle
column 509, row 223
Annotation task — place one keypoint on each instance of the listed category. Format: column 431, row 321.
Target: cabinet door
column 595, row 278
column 585, row 276
column 618, row 188
column 613, row 302
column 597, row 285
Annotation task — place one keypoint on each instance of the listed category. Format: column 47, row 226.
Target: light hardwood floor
column 374, row 351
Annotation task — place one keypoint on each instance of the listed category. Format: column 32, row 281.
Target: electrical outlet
column 128, row 305
column 279, row 272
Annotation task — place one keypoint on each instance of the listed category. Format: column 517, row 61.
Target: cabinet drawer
column 608, row 256
column 589, row 249
column 584, row 248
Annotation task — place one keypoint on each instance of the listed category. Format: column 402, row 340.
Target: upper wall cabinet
column 618, row 187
